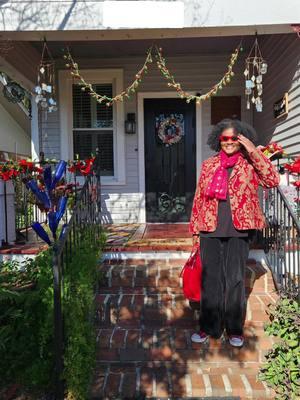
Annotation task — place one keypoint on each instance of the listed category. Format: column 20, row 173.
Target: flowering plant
column 297, row 184
column 12, row 169
column 82, row 167
column 294, row 167
column 273, row 149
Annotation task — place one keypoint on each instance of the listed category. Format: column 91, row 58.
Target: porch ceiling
column 178, row 46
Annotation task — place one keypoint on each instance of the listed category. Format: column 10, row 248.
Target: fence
column 85, row 220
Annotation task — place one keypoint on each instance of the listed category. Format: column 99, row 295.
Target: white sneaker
column 236, row 340
column 200, row 337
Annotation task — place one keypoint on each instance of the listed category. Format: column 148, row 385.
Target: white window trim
column 114, row 76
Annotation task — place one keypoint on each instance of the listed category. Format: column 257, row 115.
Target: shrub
column 26, row 321
column 282, row 368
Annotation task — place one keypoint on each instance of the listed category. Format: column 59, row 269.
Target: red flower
column 26, row 165
column 7, row 175
column 293, row 168
column 297, row 184
column 86, row 170
column 75, row 166
column 83, row 167
column 72, row 169
column 8, row 171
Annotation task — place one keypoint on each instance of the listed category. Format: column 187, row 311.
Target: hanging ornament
column 255, row 68
column 45, row 88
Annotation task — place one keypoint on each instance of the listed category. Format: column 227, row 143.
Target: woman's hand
column 196, row 240
column 246, row 143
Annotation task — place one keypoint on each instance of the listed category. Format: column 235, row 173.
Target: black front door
column 170, row 159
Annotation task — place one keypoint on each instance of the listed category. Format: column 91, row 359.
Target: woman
column 225, row 210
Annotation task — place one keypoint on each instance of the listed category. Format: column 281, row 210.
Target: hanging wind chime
column 45, row 89
column 255, row 68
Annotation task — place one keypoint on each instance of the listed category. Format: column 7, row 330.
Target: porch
column 140, row 183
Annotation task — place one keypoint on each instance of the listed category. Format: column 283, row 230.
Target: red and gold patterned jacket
column 247, row 174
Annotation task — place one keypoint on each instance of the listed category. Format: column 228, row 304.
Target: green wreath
column 170, row 131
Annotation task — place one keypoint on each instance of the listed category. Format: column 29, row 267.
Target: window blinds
column 93, row 126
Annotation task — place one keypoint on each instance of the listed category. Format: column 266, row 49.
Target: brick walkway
column 144, row 328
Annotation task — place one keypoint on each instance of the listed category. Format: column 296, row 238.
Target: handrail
column 291, row 211
column 282, row 240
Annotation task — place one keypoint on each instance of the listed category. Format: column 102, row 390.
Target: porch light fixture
column 130, row 124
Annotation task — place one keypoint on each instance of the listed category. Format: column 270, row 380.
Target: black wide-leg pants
column 223, row 300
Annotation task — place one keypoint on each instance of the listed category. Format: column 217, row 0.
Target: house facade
column 143, row 178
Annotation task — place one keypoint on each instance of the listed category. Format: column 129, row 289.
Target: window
column 86, row 124
column 93, row 126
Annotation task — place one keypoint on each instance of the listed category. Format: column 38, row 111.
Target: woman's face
column 228, row 141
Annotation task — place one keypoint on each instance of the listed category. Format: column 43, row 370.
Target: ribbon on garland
column 161, row 64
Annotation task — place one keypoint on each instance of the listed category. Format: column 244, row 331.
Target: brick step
column 166, row 273
column 172, row 339
column 162, row 262
column 152, row 309
column 176, row 381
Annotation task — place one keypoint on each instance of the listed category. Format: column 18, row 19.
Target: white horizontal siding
column 121, row 207
column 283, row 56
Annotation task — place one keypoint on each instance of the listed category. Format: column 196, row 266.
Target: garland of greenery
column 109, row 101
column 161, row 64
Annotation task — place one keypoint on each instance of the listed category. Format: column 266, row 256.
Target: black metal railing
column 26, row 211
column 282, row 238
column 26, row 208
column 85, row 221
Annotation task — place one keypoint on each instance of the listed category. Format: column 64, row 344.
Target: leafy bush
column 26, row 321
column 282, row 368
column 79, row 309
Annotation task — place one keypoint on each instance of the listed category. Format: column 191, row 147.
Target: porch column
column 35, row 140
column 7, row 213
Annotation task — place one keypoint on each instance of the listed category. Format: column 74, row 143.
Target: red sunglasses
column 226, row 138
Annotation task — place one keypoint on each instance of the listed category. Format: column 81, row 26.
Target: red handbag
column 191, row 276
